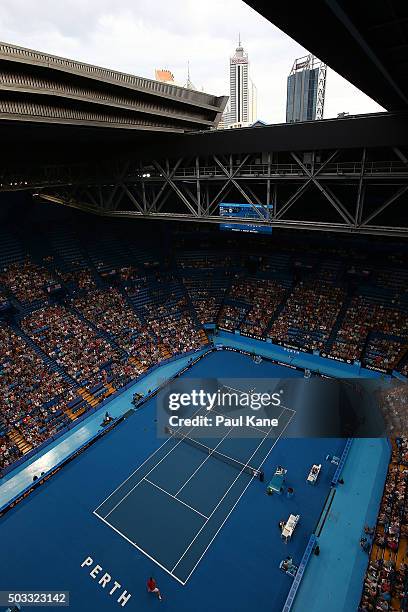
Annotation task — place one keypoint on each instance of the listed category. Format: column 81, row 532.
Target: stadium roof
column 38, row 143
column 365, row 42
column 36, row 87
column 120, row 145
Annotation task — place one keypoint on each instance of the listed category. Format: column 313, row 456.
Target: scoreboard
column 243, row 211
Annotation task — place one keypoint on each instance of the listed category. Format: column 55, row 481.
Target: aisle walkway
column 333, row 580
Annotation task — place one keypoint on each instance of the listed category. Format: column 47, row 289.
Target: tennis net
column 239, row 465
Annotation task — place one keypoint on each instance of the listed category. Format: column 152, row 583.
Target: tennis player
column 153, row 588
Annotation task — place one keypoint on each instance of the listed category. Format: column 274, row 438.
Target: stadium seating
column 34, row 395
column 27, row 281
column 367, row 314
column 82, row 315
column 309, row 314
column 387, row 574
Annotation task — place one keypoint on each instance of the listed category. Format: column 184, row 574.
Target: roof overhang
column 39, row 88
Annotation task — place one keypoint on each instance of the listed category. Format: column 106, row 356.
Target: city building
column 164, row 76
column 253, row 101
column 242, row 107
column 306, row 90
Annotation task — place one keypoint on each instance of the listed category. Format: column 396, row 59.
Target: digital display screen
column 243, row 211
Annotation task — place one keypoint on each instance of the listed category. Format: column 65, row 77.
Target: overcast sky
column 138, row 36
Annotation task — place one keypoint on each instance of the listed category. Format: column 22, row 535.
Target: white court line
column 139, row 548
column 233, row 507
column 154, row 453
column 290, row 409
column 168, row 571
column 225, row 494
column 134, row 472
column 238, row 390
column 154, row 467
column 206, row 459
column 141, row 465
column 173, row 496
column 143, row 477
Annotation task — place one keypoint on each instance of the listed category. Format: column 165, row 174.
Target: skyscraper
column 253, row 102
column 306, row 90
column 242, row 102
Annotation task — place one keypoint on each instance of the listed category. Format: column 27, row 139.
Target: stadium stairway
column 190, row 305
column 139, row 299
column 203, row 336
column 21, row 443
column 202, row 286
column 339, row 321
column 279, row 309
column 137, row 363
column 131, row 303
column 365, row 347
column 88, row 397
column 100, row 283
column 164, row 351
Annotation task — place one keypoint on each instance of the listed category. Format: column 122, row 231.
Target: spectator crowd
column 386, row 581
column 33, row 394
column 91, row 336
column 108, row 329
column 26, row 280
column 309, row 314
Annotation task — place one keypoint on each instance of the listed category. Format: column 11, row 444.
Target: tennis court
column 174, row 504
column 248, row 544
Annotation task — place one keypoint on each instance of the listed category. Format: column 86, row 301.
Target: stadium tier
column 78, row 323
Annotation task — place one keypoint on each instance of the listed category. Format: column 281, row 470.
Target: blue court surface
column 133, row 506
column 192, row 490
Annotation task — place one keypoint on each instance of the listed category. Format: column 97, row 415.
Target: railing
column 342, row 462
column 44, row 477
column 61, row 175
column 264, row 170
column 299, row 574
column 12, row 52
